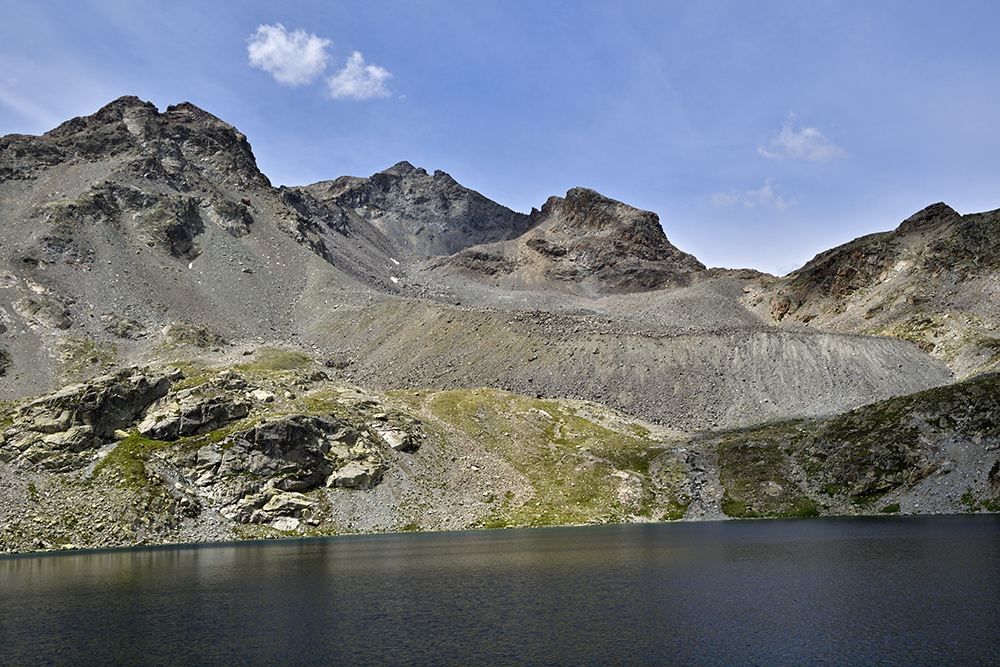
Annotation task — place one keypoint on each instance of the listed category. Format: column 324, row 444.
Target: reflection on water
column 887, row 591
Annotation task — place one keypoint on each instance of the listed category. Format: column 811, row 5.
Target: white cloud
column 765, row 197
column 292, row 58
column 806, row 143
column 358, row 81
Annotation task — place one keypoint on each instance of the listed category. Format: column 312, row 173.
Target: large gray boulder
column 282, row 458
column 191, row 415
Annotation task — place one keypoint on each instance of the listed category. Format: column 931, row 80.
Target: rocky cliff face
column 179, row 145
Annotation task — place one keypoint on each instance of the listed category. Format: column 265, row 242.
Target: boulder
column 288, row 504
column 262, row 396
column 192, row 415
column 292, row 447
column 59, row 452
column 356, row 475
column 398, row 439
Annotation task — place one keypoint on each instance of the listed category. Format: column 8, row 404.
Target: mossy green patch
column 581, row 471
column 275, row 359
column 758, row 477
column 128, row 458
column 856, row 457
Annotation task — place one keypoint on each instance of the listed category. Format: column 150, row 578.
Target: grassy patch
column 127, row 460
column 580, row 470
column 187, row 335
column 274, row 359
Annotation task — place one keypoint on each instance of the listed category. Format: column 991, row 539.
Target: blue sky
column 761, row 132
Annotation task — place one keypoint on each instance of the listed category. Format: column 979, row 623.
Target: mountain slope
column 187, row 353
column 932, row 281
column 144, row 235
column 119, row 225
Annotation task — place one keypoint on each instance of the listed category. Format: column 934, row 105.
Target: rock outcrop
column 937, row 450
column 260, row 473
column 61, row 431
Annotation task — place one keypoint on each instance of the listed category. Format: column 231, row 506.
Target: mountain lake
column 843, row 591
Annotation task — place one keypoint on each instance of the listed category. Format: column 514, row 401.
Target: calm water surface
column 886, row 591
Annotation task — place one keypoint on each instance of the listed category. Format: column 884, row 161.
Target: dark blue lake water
column 885, row 591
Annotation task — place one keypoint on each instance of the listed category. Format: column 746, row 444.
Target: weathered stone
column 398, row 439
column 45, row 310
column 59, row 452
column 243, row 510
column 356, row 475
column 75, row 439
column 160, row 426
column 285, row 523
column 47, row 424
column 207, row 414
column 293, row 446
column 231, row 380
column 191, row 416
column 262, row 396
column 288, row 503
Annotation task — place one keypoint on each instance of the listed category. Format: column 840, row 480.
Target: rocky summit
column 188, row 354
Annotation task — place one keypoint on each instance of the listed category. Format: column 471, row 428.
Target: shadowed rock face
column 622, row 247
column 425, row 214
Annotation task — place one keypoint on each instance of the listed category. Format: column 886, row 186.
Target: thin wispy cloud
column 804, row 143
column 358, row 81
column 293, row 58
column 34, row 112
column 765, row 197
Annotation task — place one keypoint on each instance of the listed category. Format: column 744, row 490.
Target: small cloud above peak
column 805, row 143
column 293, row 58
column 358, row 81
column 297, row 58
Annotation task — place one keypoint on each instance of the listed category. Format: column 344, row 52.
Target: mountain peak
column 425, row 214
column 933, row 215
column 109, row 114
